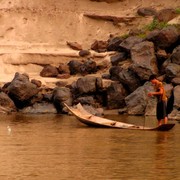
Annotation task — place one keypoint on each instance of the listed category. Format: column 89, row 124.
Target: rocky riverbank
column 124, row 86
column 112, row 74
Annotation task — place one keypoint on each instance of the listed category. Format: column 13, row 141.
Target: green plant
column 124, row 36
column 142, row 35
column 156, row 25
column 152, row 25
column 178, row 10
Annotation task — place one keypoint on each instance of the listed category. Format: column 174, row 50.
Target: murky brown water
column 56, row 147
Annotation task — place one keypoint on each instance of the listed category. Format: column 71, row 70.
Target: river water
column 58, row 147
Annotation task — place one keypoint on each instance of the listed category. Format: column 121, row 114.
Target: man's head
column 153, row 79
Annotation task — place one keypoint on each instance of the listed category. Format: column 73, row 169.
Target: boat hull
column 91, row 120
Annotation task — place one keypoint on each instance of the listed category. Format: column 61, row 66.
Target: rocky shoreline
column 124, row 86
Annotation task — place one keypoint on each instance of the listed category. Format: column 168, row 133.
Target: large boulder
column 144, row 60
column 21, row 90
column 164, row 38
column 129, row 79
column 88, row 84
column 6, row 103
column 172, row 70
column 165, row 15
column 136, row 102
column 116, row 94
column 129, row 42
column 61, row 95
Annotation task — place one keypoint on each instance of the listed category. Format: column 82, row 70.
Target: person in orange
column 161, row 108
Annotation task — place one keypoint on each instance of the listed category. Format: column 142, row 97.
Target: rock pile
column 126, row 85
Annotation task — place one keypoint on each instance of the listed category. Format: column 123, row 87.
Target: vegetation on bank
column 155, row 24
column 178, row 10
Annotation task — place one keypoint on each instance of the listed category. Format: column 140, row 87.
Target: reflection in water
column 59, row 147
column 164, row 155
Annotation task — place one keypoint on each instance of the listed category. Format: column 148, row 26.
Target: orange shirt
column 159, row 86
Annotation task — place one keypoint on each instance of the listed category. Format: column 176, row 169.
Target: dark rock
column 175, row 57
column 74, row 67
column 172, row 70
column 176, row 81
column 161, row 57
column 144, row 60
column 49, row 71
column 85, row 100
column 113, row 43
column 99, row 46
column 88, row 84
column 146, row 11
column 121, row 56
column 88, row 67
column 5, row 87
column 47, row 97
column 129, row 79
column 84, row 53
column 129, row 42
column 21, row 90
column 61, row 83
column 63, row 76
column 114, row 72
column 164, row 38
column 61, row 95
column 63, row 69
column 177, row 97
column 7, row 103
column 153, row 35
column 116, row 94
column 106, row 76
column 165, row 15
column 136, row 102
column 162, row 54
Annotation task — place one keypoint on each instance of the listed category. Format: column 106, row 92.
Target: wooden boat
column 91, row 120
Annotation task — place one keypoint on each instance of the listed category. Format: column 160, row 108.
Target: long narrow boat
column 91, row 120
